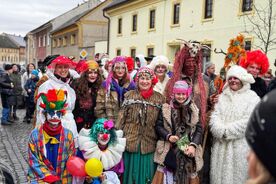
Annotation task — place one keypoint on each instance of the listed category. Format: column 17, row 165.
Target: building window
column 48, row 40
column 134, row 23
column 152, row 19
column 64, row 41
column 247, row 5
column 39, row 41
column 132, row 53
column 54, row 42
column 59, row 42
column 118, row 52
column 44, row 40
column 247, row 45
column 120, row 26
column 208, row 13
column 150, row 51
column 176, row 13
column 73, row 39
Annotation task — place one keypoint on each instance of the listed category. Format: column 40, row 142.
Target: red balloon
column 76, row 166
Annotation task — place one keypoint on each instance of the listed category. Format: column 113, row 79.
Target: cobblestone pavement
column 13, row 146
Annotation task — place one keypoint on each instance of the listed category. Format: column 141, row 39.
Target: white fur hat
column 240, row 73
column 159, row 60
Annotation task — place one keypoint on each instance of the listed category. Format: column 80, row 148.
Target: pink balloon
column 76, row 166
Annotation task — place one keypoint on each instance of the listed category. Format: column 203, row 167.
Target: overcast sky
column 21, row 16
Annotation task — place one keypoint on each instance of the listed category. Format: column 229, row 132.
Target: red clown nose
column 105, row 136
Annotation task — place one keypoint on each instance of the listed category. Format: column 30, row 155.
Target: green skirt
column 139, row 168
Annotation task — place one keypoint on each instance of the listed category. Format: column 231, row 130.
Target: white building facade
column 153, row 27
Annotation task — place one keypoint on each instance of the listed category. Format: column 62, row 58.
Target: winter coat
column 259, row 87
column 16, row 78
column 68, row 119
column 228, row 124
column 137, row 118
column 108, row 105
column 5, row 84
column 30, row 84
column 84, row 109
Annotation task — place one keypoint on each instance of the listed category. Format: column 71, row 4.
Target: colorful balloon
column 76, row 166
column 94, row 167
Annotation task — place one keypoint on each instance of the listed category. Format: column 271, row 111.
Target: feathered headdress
column 235, row 51
column 53, row 100
column 104, row 126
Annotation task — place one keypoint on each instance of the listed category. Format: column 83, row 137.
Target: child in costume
column 50, row 144
column 30, row 89
column 106, row 144
column 178, row 150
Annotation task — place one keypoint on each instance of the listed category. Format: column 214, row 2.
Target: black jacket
column 5, row 84
column 259, row 87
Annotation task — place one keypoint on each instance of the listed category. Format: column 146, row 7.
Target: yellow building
column 81, row 32
column 9, row 51
column 154, row 26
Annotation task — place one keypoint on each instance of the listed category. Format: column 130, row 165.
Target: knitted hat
column 182, row 87
column 53, row 100
column 241, row 74
column 257, row 57
column 105, row 126
column 261, row 132
column 159, row 60
column 146, row 71
column 208, row 65
column 35, row 72
column 8, row 67
column 118, row 59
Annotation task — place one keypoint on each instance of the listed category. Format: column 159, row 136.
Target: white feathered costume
column 228, row 124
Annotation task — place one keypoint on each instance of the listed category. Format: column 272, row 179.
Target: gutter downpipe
column 108, row 31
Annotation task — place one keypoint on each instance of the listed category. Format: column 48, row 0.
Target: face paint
column 54, row 117
column 103, row 138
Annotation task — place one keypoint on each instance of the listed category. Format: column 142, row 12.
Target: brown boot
column 194, row 180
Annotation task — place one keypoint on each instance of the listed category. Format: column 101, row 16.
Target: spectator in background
column 261, row 135
column 256, row 63
column 210, row 69
column 30, row 90
column 268, row 77
column 140, row 61
column 17, row 98
column 6, row 85
column 27, row 75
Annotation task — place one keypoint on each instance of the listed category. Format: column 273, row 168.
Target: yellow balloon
column 94, row 167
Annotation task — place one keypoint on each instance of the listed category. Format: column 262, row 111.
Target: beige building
column 81, row 32
column 9, row 50
column 154, row 26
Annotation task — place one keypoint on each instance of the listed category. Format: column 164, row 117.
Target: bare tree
column 262, row 25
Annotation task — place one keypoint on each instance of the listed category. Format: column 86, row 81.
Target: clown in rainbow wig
column 50, row 144
column 104, row 143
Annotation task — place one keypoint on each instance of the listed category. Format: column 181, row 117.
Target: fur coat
column 228, row 124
